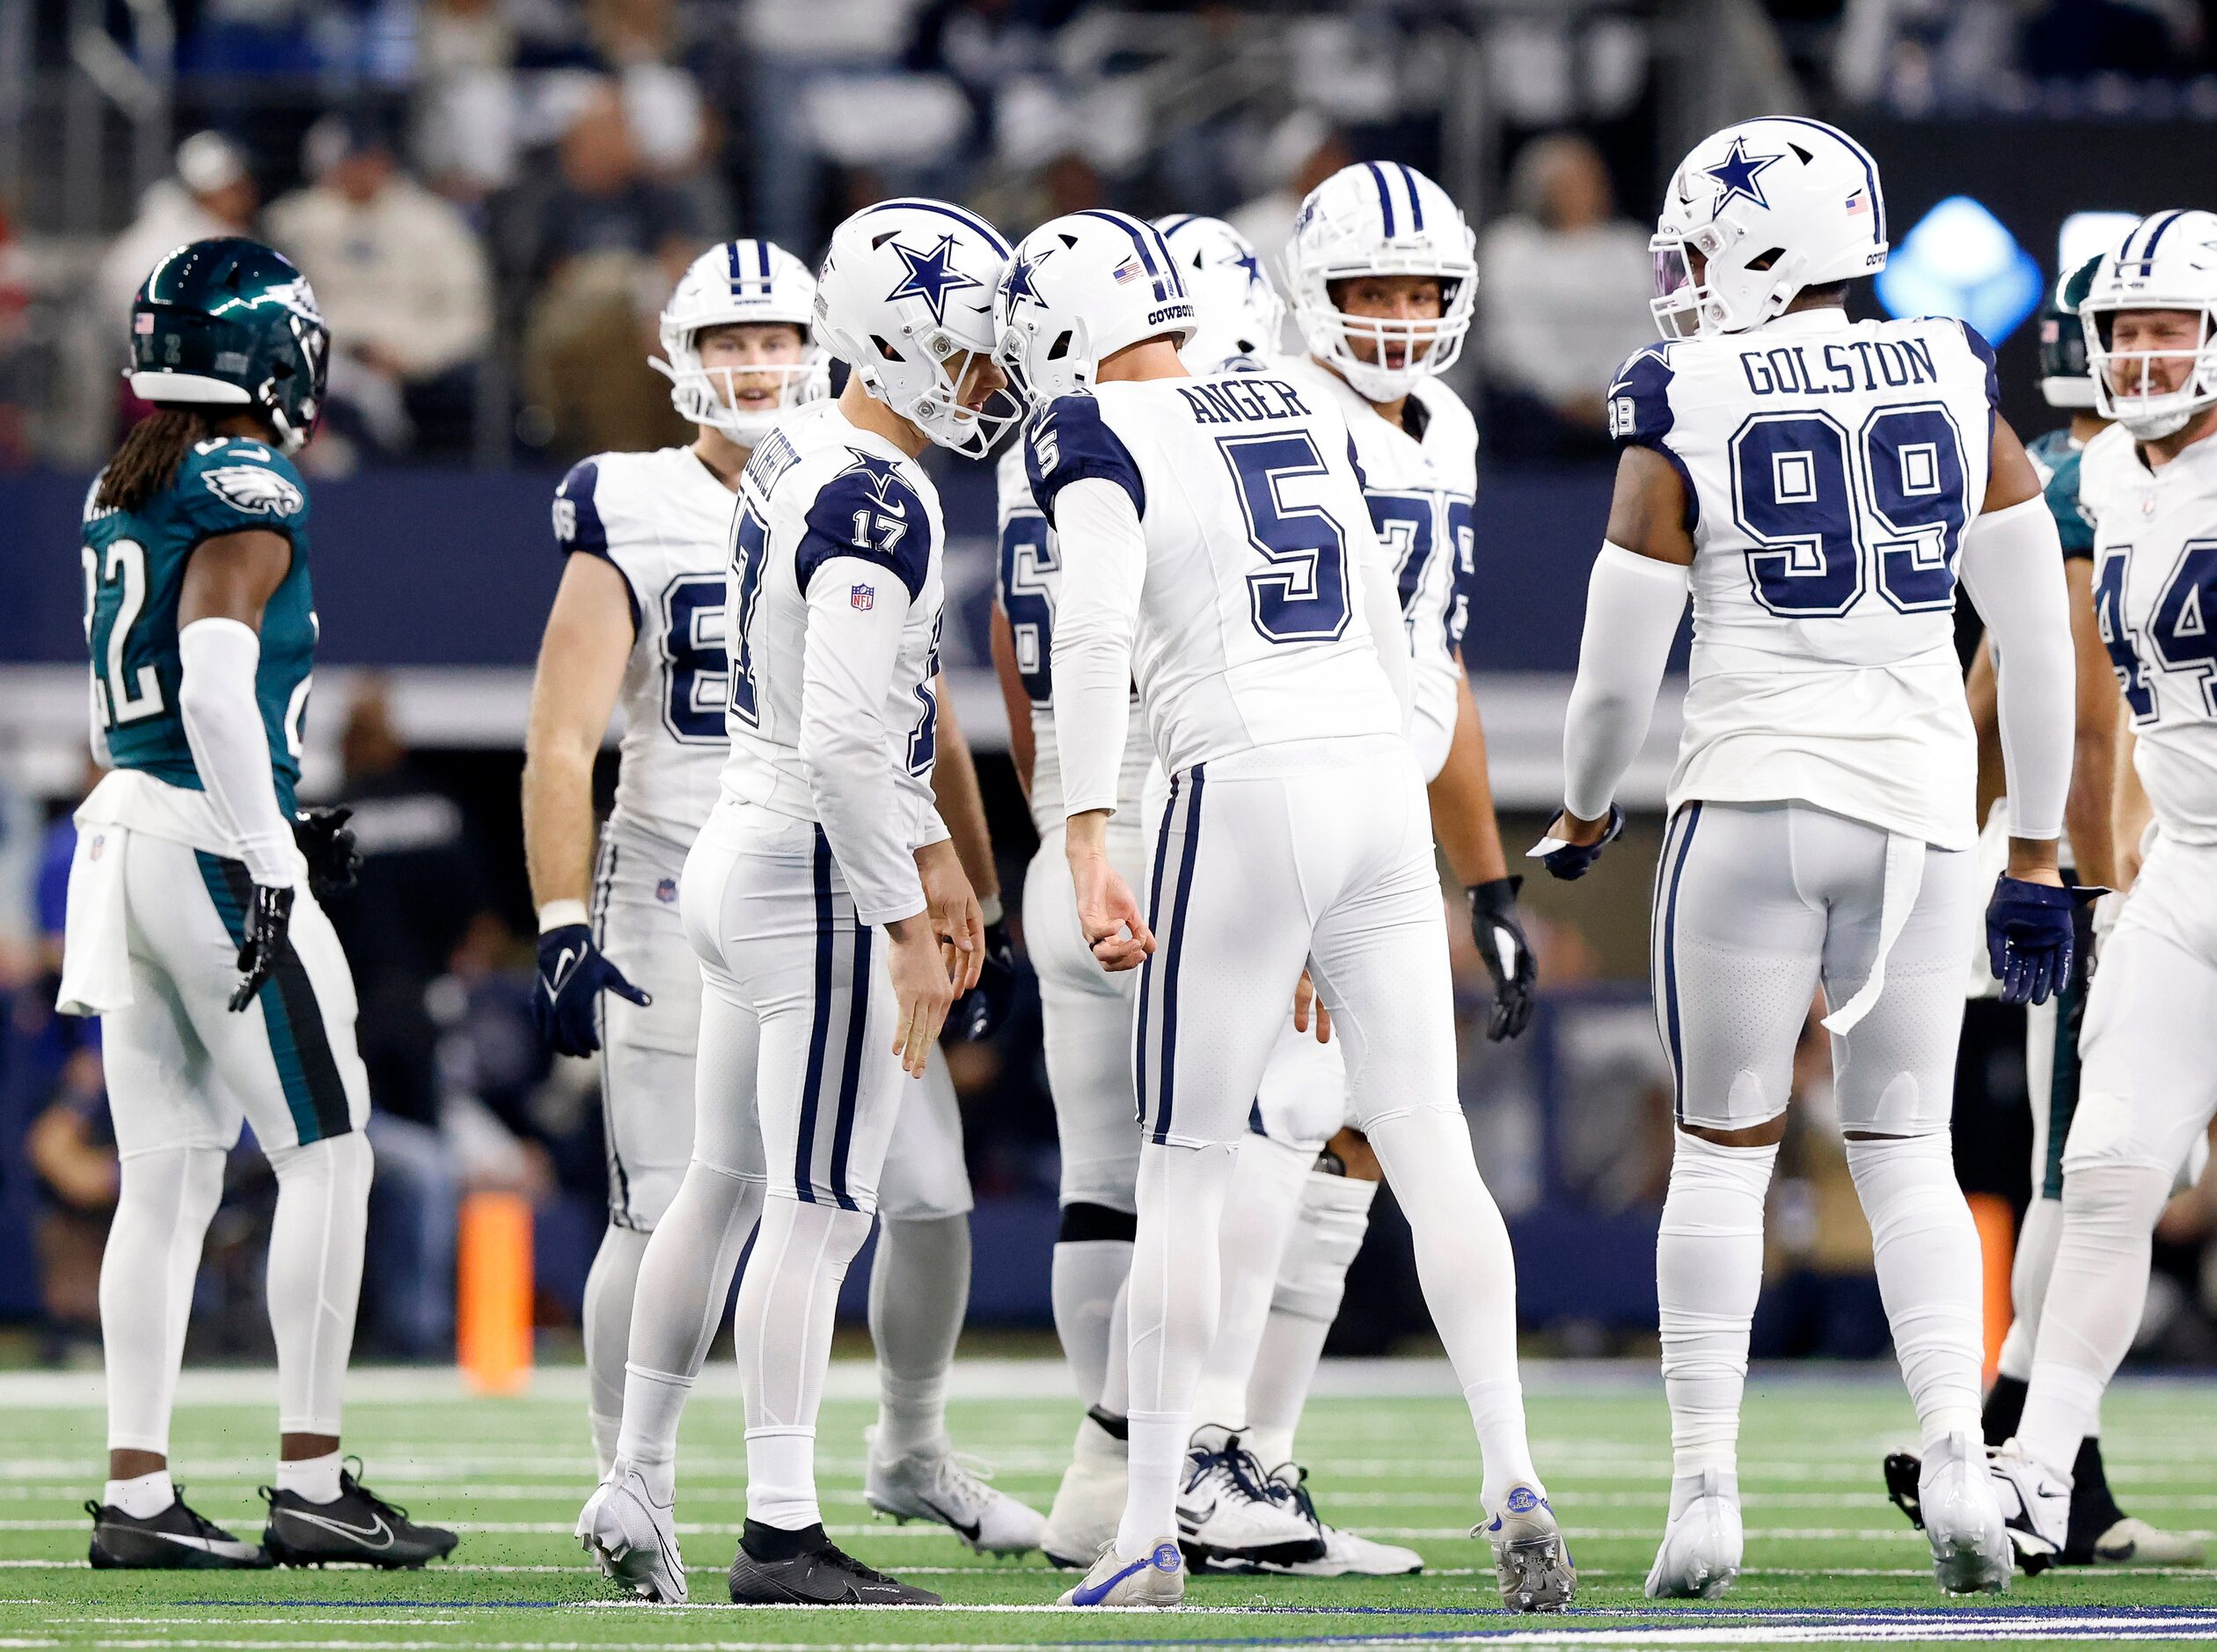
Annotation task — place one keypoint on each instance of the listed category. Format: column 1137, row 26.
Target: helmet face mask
column 751, row 284
column 2149, row 318
column 1370, row 220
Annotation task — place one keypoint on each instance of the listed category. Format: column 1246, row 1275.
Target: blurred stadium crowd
column 493, row 199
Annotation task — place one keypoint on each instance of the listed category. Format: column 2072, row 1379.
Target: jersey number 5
column 1301, row 596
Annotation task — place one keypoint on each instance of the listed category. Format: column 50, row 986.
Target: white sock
column 1328, row 1233
column 783, row 1329
column 1172, row 1307
column 2094, row 1299
column 314, row 1478
column 162, row 1211
column 609, row 1288
column 919, row 1292
column 1708, row 1271
column 143, row 1496
column 1469, row 1278
column 1088, row 1275
column 1925, row 1249
column 654, row 1404
column 2029, row 1273
column 1259, row 1212
column 315, row 1275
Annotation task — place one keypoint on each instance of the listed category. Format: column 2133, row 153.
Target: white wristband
column 559, row 914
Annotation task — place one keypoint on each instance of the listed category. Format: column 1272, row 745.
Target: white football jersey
column 664, row 521
column 1250, row 631
column 2156, row 601
column 1830, row 469
column 1422, row 490
column 1025, row 578
column 821, row 493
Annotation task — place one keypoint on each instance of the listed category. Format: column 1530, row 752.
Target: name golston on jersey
column 1249, row 632
column 663, row 521
column 1026, row 578
column 2155, row 603
column 1421, row 481
column 1830, row 469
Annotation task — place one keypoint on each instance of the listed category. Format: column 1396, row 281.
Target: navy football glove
column 1508, row 954
column 572, row 974
column 2031, row 935
column 327, row 843
column 1569, row 861
column 980, row 1011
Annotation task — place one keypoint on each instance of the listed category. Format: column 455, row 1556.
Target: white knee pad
column 1334, row 1216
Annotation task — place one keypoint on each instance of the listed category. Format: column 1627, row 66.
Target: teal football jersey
column 133, row 575
column 2057, row 461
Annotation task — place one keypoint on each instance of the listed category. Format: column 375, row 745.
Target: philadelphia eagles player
column 195, row 928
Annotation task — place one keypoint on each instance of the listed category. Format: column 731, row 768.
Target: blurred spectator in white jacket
column 404, row 285
column 1562, row 299
column 213, row 193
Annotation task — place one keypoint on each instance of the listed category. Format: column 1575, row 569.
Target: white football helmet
column 1772, row 206
column 1242, row 318
column 1080, row 287
column 2168, row 262
column 1381, row 218
column 739, row 281
column 906, row 287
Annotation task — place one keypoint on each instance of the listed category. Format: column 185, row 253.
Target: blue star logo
column 881, row 473
column 1248, row 262
column 1018, row 286
column 930, row 276
column 1737, row 176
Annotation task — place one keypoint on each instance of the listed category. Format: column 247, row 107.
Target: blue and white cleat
column 1701, row 1553
column 1530, row 1556
column 1157, row 1578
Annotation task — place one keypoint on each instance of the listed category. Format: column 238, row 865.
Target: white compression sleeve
column 1633, row 606
column 2012, row 566
column 846, row 667
column 231, row 748
column 1104, row 560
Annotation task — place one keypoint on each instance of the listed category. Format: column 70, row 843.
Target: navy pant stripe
column 819, row 1028
column 1693, row 818
column 315, row 1094
column 619, row 1178
column 1141, row 1027
column 1166, row 1100
column 849, row 1077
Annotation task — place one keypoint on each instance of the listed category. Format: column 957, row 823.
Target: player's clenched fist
column 1107, row 911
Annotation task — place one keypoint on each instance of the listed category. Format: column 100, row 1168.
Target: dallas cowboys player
column 1820, row 485
column 224, row 994
column 825, row 850
column 2146, row 1091
column 1216, row 552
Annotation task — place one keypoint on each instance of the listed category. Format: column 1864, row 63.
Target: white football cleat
column 1530, row 1559
column 1971, row 1550
column 1346, row 1553
column 1089, row 1502
column 632, row 1536
column 2036, row 1506
column 1229, row 1516
column 1701, row 1547
column 1157, row 1578
column 937, row 1485
column 2131, row 1541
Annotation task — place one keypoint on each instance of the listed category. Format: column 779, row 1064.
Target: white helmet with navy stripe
column 1774, row 206
column 1081, row 288
column 2168, row 262
column 907, row 287
column 1381, row 218
column 739, row 282
column 1242, row 319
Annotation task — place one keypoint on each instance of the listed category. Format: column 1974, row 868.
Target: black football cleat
column 178, row 1540
column 807, row 1569
column 356, row 1528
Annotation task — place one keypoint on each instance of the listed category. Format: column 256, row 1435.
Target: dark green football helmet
column 228, row 322
column 2064, row 381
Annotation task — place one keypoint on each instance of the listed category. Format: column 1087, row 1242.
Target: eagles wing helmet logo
column 252, row 488
column 1739, row 176
column 297, row 296
column 930, row 276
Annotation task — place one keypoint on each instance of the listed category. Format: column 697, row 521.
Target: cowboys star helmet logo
column 1019, row 286
column 930, row 276
column 1737, row 176
column 255, row 489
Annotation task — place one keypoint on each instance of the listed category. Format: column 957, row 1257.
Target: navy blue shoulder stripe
column 1385, row 195
column 963, row 218
column 1415, row 200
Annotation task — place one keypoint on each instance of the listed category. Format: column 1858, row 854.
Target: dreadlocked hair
column 147, row 461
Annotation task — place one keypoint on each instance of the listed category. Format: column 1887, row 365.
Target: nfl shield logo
column 863, row 596
column 666, row 891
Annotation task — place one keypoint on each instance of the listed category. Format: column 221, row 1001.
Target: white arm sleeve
column 847, row 658
column 230, row 747
column 1633, row 607
column 2012, row 566
column 1380, row 598
column 1104, row 564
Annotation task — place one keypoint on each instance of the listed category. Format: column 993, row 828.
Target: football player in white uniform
column 1819, row 485
column 2146, row 1091
column 1217, row 553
